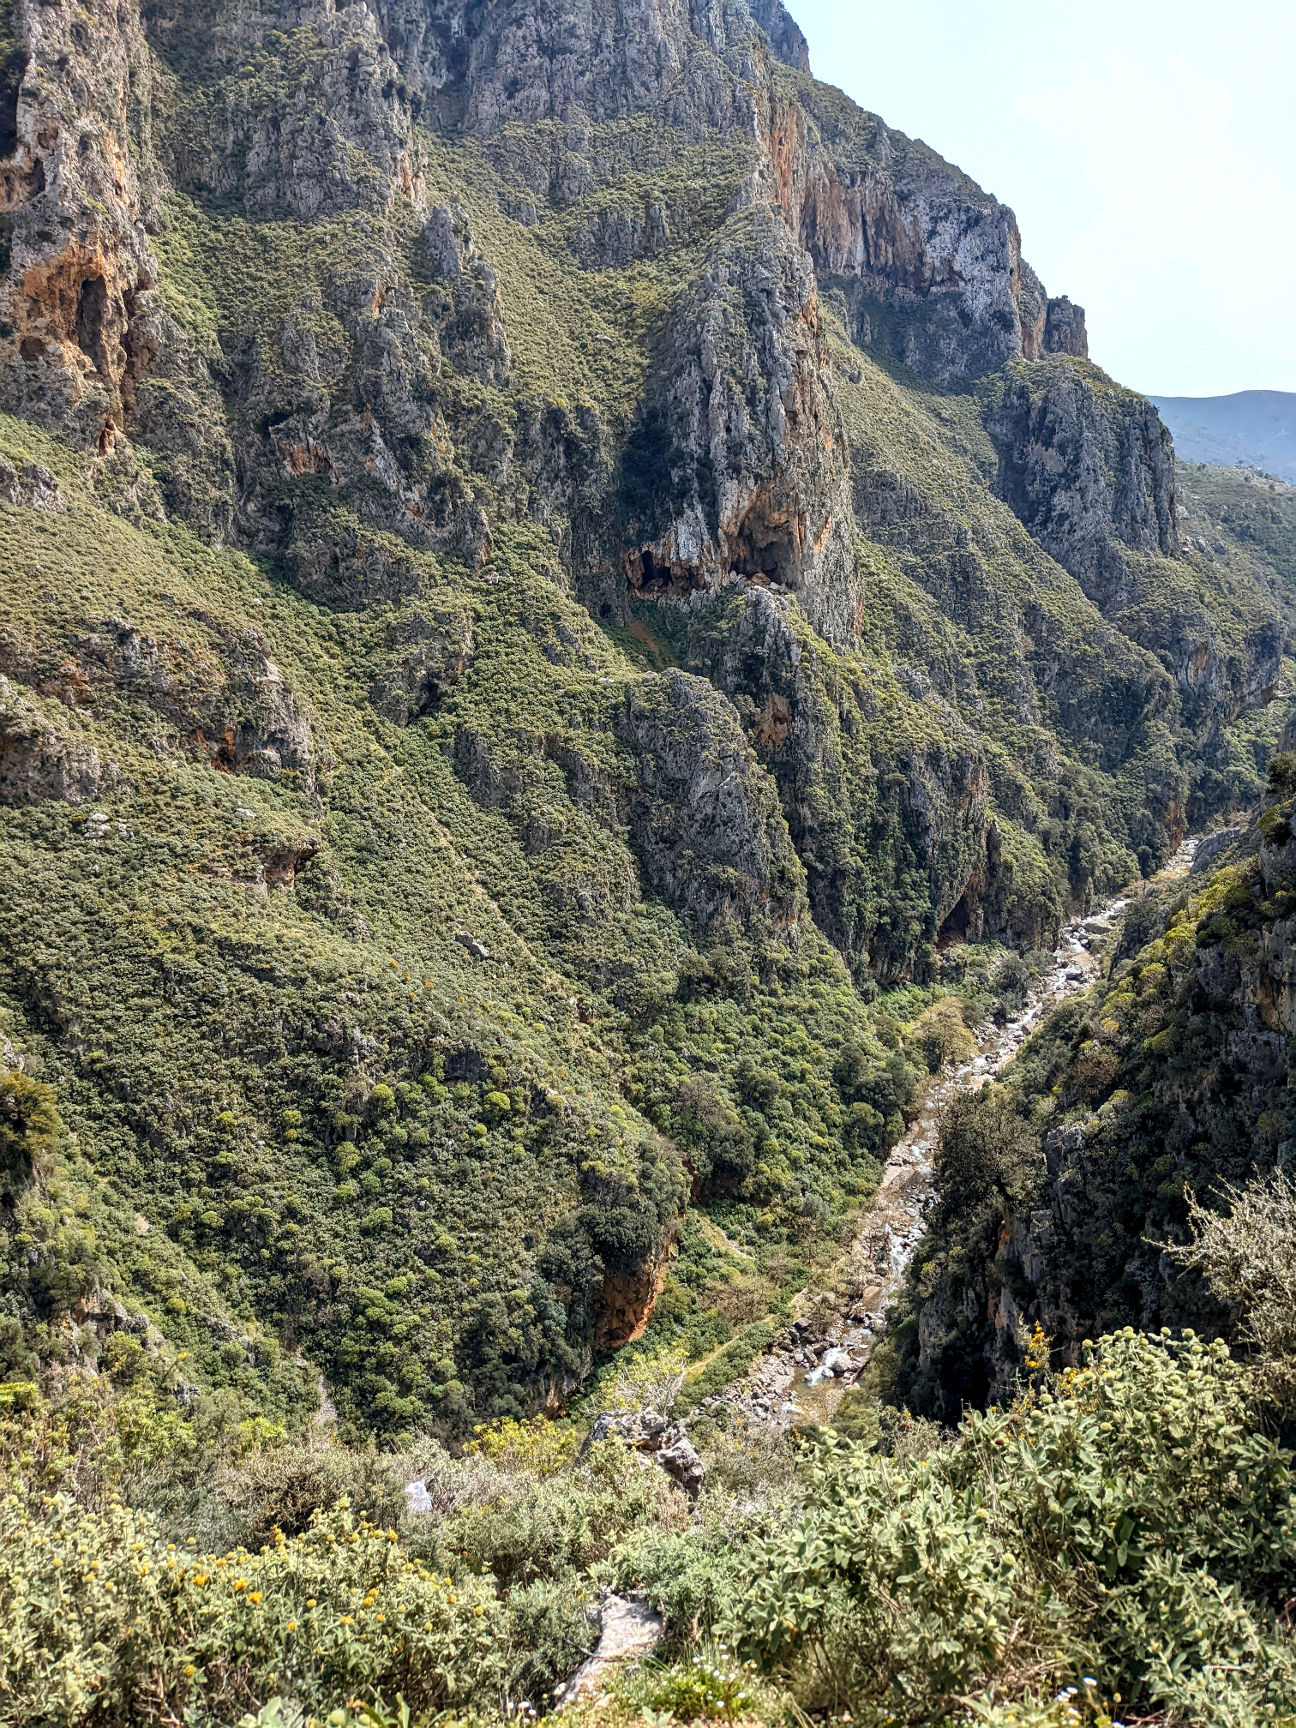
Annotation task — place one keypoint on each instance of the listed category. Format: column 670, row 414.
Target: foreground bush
column 103, row 1621
column 1128, row 1523
column 1126, row 1529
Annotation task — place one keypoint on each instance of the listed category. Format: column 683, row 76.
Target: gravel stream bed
column 833, row 1335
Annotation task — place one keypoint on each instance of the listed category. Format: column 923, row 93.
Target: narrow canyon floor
column 838, row 1323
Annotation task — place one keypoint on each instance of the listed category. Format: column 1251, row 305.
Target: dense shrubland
column 1116, row 1542
column 1130, row 1521
column 1113, row 1541
column 325, row 905
column 437, row 925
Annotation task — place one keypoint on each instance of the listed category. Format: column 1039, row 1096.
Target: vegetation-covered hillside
column 1065, row 1195
column 513, row 636
column 562, row 584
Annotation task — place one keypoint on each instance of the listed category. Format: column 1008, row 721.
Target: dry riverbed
column 832, row 1337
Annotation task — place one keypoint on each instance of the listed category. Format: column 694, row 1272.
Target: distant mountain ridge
column 1252, row 426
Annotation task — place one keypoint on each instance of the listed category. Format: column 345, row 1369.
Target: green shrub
column 282, row 1487
column 731, row 1362
column 523, row 1527
column 940, row 1036
column 692, row 1576
column 704, row 1690
column 102, row 1620
column 1129, row 1523
column 1248, row 1257
column 29, row 1125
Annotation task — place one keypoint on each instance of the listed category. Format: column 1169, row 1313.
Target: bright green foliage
column 1128, row 1523
column 28, row 1127
column 1126, row 1528
column 708, row 1689
column 533, row 1527
column 300, row 1084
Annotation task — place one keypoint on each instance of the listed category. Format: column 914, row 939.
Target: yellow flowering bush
column 103, row 1620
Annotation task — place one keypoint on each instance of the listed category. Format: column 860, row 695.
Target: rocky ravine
column 375, row 383
column 832, row 1339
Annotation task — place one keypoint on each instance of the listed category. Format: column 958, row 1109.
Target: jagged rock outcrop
column 32, row 485
column 1088, row 467
column 528, row 62
column 861, row 814
column 472, row 336
column 784, row 34
column 704, row 817
column 1064, row 329
column 41, row 758
column 612, row 236
column 308, row 120
column 348, row 430
column 231, row 704
column 427, row 653
column 665, row 1442
column 737, row 466
column 929, row 265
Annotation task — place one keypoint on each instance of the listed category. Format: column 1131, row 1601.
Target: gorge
column 576, row 625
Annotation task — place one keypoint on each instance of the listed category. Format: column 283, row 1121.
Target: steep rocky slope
column 548, row 557
column 1061, row 1194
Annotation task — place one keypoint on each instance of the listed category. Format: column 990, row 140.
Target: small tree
column 1247, row 1256
column 1282, row 775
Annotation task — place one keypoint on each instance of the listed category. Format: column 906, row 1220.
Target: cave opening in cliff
column 959, row 924
column 91, row 322
column 765, row 551
column 12, row 68
column 651, row 579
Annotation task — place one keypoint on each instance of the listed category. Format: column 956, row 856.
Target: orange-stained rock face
column 80, row 263
column 73, row 316
column 625, row 1305
column 931, row 264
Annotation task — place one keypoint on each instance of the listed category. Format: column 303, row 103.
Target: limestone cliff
column 1088, row 467
column 78, row 194
column 543, row 549
column 930, row 268
column 737, row 467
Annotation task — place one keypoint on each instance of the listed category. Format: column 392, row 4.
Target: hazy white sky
column 1148, row 148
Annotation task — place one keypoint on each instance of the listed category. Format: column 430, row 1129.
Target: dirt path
column 833, row 1335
